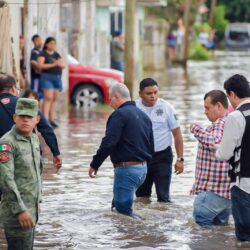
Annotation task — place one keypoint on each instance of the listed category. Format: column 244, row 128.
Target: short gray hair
column 121, row 89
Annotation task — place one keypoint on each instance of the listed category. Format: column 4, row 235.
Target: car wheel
column 87, row 96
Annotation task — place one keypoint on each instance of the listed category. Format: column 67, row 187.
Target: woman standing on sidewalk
column 51, row 65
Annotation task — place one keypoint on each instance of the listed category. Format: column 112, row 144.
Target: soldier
column 20, row 177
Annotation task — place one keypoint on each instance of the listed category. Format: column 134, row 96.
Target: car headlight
column 110, row 82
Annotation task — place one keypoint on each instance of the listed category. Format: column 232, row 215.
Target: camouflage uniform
column 20, row 182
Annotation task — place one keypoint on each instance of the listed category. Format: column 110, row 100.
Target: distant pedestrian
column 51, row 64
column 212, row 205
column 34, row 69
column 235, row 147
column 129, row 142
column 31, row 94
column 117, row 51
column 165, row 124
column 20, row 177
column 22, row 75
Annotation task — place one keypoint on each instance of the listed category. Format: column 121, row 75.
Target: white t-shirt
column 164, row 120
column 232, row 136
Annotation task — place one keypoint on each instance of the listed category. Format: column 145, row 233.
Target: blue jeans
column 118, row 65
column 36, row 86
column 127, row 180
column 159, row 172
column 241, row 213
column 211, row 209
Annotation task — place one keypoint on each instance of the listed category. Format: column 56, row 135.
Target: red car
column 90, row 85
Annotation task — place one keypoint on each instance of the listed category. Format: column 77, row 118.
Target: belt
column 128, row 163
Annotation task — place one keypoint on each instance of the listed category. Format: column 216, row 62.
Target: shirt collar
column 126, row 104
column 242, row 103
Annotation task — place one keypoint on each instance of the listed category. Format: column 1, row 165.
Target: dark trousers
column 19, row 239
column 241, row 213
column 159, row 172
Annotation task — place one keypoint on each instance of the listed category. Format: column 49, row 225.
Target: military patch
column 5, row 147
column 176, row 117
column 5, row 100
column 4, row 156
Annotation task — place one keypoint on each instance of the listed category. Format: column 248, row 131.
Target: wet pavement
column 75, row 213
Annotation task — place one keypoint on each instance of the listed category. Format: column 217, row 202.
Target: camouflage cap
column 26, row 106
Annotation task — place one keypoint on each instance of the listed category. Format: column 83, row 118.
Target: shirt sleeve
column 209, row 138
column 231, row 136
column 48, row 134
column 112, row 136
column 8, row 184
column 172, row 117
column 34, row 55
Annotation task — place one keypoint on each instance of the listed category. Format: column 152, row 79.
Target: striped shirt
column 210, row 174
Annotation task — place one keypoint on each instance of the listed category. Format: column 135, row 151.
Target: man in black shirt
column 35, row 72
column 129, row 142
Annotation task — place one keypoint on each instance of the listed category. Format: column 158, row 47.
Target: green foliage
column 220, row 22
column 199, row 53
column 236, row 10
column 202, row 27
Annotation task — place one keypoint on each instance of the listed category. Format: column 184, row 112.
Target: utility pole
column 130, row 45
column 187, row 25
column 211, row 15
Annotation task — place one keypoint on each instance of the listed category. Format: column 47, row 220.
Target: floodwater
column 75, row 213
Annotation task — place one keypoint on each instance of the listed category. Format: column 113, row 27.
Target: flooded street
column 75, row 213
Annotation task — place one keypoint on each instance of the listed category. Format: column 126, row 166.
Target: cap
column 26, row 106
column 118, row 32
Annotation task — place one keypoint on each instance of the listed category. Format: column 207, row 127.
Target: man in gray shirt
column 117, row 51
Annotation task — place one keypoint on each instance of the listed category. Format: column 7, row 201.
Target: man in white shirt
column 235, row 147
column 165, row 124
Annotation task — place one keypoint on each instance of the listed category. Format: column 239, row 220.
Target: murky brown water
column 76, row 209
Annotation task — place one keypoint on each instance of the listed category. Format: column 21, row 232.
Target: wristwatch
column 180, row 159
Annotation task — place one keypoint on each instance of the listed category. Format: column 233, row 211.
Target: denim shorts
column 50, row 81
column 211, row 209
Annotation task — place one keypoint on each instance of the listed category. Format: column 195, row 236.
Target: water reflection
column 76, row 209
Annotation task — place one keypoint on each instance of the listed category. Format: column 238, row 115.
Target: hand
column 92, row 172
column 57, row 160
column 178, row 167
column 25, row 220
column 215, row 147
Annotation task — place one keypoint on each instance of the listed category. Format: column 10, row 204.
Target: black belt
column 128, row 163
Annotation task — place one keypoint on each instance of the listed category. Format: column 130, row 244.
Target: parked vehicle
column 90, row 85
column 237, row 36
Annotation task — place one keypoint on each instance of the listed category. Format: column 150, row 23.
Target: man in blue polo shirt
column 129, row 142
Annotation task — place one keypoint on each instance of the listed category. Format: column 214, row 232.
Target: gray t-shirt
column 116, row 50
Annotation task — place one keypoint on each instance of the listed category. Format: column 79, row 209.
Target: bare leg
column 53, row 105
column 47, row 103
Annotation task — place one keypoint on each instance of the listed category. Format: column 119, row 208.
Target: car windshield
column 71, row 59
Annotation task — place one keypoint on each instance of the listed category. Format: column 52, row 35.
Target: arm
column 50, row 138
column 42, row 65
column 233, row 132
column 178, row 141
column 208, row 139
column 112, row 136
